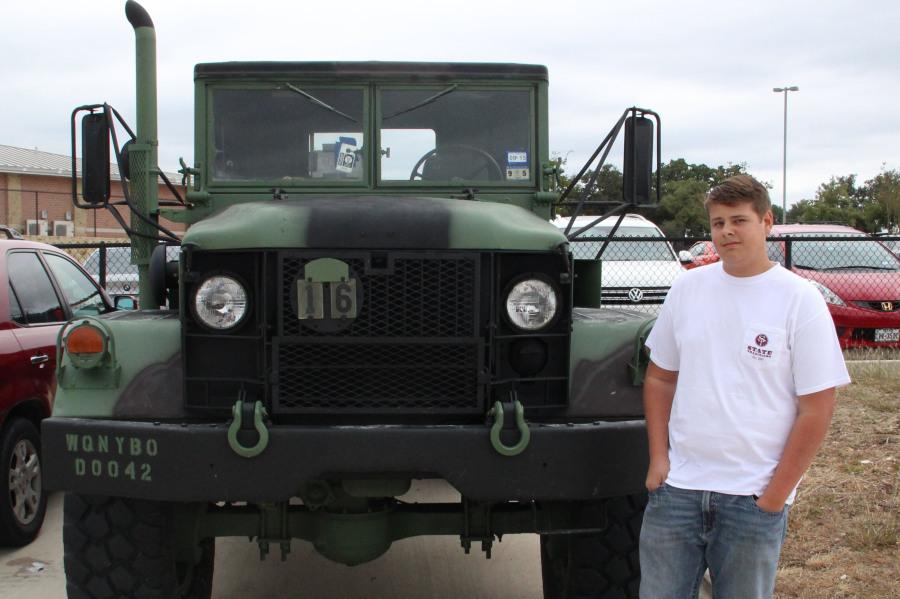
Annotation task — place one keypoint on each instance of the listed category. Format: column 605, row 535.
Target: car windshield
column 456, row 136
column 620, row 249
column 855, row 252
column 290, row 134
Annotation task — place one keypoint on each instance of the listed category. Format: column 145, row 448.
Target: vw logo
column 635, row 294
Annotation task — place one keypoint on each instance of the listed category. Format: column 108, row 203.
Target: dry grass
column 843, row 536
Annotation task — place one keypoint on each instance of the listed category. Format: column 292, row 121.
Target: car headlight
column 830, row 296
column 220, row 302
column 531, row 304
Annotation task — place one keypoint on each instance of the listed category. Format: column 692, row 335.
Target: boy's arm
column 659, row 391
column 809, row 430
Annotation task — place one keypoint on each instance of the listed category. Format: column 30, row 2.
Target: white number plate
column 885, row 335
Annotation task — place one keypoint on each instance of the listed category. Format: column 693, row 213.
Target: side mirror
column 124, row 302
column 685, row 257
column 95, row 158
column 638, row 160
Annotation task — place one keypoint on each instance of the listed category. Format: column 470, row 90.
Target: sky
column 707, row 67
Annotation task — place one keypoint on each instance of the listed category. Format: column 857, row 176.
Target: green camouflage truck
column 369, row 292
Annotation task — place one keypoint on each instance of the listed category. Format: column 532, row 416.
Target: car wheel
column 23, row 500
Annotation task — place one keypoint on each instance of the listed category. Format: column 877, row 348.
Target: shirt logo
column 762, row 340
column 635, row 294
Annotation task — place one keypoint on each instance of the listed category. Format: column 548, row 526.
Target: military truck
column 369, row 292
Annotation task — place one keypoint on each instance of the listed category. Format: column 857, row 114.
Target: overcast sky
column 707, row 67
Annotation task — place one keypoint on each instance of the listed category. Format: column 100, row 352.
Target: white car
column 635, row 274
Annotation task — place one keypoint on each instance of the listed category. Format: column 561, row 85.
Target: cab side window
column 33, row 289
column 80, row 292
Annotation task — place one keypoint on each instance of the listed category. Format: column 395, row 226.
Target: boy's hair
column 740, row 189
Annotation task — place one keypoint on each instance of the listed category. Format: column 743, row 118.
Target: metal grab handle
column 259, row 412
column 524, row 431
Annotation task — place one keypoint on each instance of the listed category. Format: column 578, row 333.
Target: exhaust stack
column 142, row 154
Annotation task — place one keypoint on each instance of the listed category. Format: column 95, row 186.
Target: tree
column 838, row 201
column 882, row 210
column 681, row 212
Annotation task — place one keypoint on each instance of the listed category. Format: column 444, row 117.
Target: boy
column 738, row 397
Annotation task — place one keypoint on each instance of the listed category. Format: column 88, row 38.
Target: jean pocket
column 758, row 509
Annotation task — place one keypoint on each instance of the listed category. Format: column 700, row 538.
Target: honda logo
column 635, row 295
column 887, row 306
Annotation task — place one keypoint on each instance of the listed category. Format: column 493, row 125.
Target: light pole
column 784, row 90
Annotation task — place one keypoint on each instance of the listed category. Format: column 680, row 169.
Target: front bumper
column 194, row 462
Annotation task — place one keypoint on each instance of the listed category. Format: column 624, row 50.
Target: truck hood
column 372, row 222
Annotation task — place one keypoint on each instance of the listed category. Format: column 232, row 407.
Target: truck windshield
column 290, row 134
column 454, row 135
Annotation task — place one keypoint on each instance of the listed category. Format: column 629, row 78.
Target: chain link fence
column 858, row 275
column 110, row 264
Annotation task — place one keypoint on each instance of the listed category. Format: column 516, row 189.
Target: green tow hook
column 524, row 431
column 259, row 412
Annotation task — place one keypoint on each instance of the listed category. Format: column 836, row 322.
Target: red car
column 40, row 289
column 702, row 253
column 856, row 274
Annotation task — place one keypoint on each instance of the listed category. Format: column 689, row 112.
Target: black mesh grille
column 413, row 346
column 373, row 377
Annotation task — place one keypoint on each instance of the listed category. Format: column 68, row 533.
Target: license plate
column 886, row 335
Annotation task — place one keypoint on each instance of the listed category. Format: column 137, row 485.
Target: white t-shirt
column 744, row 349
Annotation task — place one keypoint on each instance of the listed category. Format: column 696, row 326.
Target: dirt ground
column 843, row 533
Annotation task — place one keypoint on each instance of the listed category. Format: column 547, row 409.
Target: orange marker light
column 85, row 340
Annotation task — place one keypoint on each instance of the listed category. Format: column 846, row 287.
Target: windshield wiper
column 424, row 102
column 804, row 266
column 319, row 102
column 860, row 266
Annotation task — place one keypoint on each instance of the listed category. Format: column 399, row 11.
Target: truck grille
column 412, row 347
column 629, row 296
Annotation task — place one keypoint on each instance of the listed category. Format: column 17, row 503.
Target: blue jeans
column 685, row 532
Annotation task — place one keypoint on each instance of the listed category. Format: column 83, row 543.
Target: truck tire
column 23, row 501
column 593, row 566
column 119, row 547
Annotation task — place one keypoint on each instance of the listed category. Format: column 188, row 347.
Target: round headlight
column 531, row 304
column 220, row 302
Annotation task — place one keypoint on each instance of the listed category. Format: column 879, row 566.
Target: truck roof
column 373, row 70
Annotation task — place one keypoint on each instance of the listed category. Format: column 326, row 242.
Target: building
column 36, row 198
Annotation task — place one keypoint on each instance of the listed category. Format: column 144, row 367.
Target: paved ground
column 420, row 568
column 425, row 568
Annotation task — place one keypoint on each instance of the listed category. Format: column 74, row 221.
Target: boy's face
column 739, row 235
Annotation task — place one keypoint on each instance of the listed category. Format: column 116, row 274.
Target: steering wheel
column 489, row 165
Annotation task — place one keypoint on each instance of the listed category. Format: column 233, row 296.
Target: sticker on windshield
column 517, row 158
column 517, row 166
column 346, row 155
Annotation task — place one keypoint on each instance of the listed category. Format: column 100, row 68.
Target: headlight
column 531, row 304
column 220, row 302
column 830, row 296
